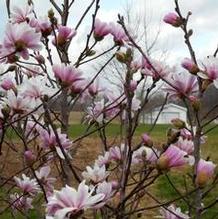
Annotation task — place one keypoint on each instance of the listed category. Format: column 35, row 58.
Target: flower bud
column 91, row 53
column 51, row 13
column 121, row 57
column 6, row 111
column 115, row 184
column 146, row 140
column 178, row 123
column 12, row 68
column 7, row 84
column 101, row 29
column 172, row 136
column 129, row 55
column 135, row 66
column 12, row 58
column 205, row 84
column 189, row 65
column 40, row 59
column 173, row 19
column 133, row 85
column 172, row 157
column 162, row 163
column 195, row 102
column 205, row 171
column 29, row 157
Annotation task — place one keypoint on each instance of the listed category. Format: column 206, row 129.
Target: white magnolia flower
column 173, row 213
column 67, row 202
column 27, row 185
column 96, row 174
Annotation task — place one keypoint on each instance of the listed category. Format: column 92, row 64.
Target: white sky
column 204, row 22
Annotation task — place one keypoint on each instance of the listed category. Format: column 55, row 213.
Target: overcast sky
column 204, row 22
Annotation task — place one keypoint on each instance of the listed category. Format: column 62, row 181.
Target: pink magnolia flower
column 101, row 29
column 65, row 34
column 67, row 202
column 32, row 129
column 152, row 155
column 183, row 85
column 20, row 203
column 78, row 86
column 66, row 74
column 185, row 145
column 34, row 90
column 94, row 88
column 155, row 69
column 145, row 154
column 173, row 213
column 210, row 70
column 49, row 138
column 135, row 65
column 185, row 134
column 189, row 65
column 95, row 112
column 172, row 157
column 21, row 14
column 136, row 105
column 111, row 111
column 27, row 185
column 19, row 38
column 173, row 19
column 115, row 153
column 42, row 25
column 119, row 34
column 112, row 107
column 146, row 140
column 49, row 141
column 103, row 159
column 139, row 155
column 105, row 188
column 45, row 180
column 17, row 103
column 205, row 171
column 96, row 174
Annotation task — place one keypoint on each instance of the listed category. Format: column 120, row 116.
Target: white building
column 169, row 112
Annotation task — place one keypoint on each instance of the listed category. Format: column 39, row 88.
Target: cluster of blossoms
column 102, row 29
column 108, row 106
column 29, row 188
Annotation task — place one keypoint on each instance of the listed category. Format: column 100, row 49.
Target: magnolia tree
column 120, row 182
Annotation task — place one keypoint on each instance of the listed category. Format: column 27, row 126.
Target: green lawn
column 114, row 129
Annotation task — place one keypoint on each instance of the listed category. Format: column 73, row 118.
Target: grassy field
column 88, row 150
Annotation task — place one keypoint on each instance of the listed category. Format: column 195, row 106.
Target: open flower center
column 20, row 45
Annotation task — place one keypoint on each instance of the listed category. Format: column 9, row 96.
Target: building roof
column 171, row 105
